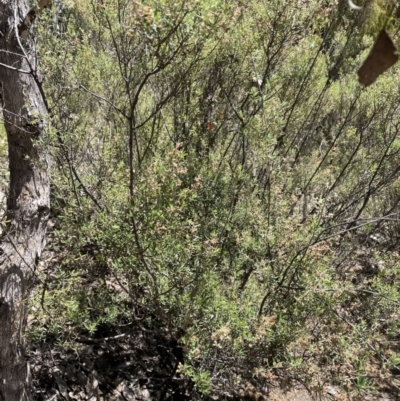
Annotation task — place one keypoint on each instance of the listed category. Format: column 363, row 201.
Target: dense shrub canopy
column 220, row 174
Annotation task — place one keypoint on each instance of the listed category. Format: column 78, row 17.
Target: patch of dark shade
column 382, row 56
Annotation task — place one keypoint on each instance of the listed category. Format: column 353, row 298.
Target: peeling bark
column 24, row 113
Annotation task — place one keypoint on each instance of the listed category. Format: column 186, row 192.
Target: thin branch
column 104, row 100
column 12, row 53
column 15, row 69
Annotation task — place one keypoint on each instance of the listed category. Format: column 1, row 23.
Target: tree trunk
column 24, row 113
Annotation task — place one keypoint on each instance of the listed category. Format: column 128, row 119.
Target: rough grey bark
column 24, row 112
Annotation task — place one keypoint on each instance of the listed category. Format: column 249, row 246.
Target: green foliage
column 219, row 173
column 378, row 15
column 200, row 379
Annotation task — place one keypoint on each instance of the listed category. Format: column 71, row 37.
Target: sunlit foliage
column 220, row 173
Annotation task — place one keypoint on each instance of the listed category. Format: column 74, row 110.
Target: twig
column 15, row 69
column 100, row 340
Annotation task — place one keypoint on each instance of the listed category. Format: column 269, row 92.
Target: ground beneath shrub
column 128, row 364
